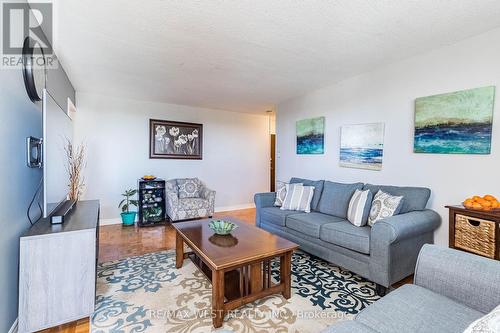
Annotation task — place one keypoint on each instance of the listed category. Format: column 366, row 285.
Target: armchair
column 198, row 205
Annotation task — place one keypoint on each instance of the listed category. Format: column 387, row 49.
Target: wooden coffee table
column 238, row 264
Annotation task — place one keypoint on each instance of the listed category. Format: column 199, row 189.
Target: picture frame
column 175, row 140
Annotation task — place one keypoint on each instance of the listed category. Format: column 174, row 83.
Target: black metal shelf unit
column 152, row 209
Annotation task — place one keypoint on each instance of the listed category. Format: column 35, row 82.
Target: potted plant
column 128, row 217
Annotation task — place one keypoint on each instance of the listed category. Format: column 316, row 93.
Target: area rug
column 148, row 294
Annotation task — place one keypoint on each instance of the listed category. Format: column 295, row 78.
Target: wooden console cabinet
column 57, row 269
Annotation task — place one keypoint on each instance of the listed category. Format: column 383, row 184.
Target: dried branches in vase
column 75, row 165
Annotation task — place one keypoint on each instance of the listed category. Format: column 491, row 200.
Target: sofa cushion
column 336, row 197
column 310, row 223
column 275, row 215
column 347, row 235
column 411, row 308
column 188, row 188
column 192, row 203
column 318, row 188
column 415, row 198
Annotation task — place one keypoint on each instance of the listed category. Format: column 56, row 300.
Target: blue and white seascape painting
column 362, row 146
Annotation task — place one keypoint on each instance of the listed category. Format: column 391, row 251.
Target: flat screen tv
column 57, row 130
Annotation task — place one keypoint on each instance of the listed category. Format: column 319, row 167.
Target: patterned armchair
column 188, row 198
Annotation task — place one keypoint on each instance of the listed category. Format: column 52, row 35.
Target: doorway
column 273, row 162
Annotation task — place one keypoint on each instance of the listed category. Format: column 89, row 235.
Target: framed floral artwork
column 175, row 140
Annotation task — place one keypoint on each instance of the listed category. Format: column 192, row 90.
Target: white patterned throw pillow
column 489, row 323
column 281, row 188
column 384, row 205
column 188, row 188
column 359, row 207
column 298, row 197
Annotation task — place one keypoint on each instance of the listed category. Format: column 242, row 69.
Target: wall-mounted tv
column 57, row 130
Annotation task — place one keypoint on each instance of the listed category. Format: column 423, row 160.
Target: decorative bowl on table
column 221, row 227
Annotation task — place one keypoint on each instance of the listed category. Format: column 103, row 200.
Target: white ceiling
column 247, row 55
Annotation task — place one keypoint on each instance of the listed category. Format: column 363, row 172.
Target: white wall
column 116, row 131
column 388, row 95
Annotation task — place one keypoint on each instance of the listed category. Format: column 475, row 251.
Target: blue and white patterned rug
column 148, row 294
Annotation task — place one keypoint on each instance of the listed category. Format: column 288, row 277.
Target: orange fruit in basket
column 489, row 197
column 476, row 198
column 486, row 204
column 476, row 205
column 495, row 204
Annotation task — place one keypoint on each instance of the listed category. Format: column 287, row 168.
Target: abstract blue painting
column 455, row 123
column 362, row 146
column 311, row 136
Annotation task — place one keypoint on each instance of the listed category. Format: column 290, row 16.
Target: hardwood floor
column 117, row 242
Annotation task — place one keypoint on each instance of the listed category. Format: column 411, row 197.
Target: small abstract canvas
column 455, row 123
column 362, row 146
column 311, row 136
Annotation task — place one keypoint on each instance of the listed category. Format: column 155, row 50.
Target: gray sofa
column 385, row 253
column 452, row 289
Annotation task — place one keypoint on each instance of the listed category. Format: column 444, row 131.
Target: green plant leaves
column 127, row 202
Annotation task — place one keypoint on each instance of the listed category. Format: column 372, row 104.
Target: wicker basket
column 475, row 235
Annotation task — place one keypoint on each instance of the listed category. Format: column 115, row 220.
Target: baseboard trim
column 13, row 328
column 110, row 221
column 235, row 207
column 118, row 220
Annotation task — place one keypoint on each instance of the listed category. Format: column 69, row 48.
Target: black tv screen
column 57, row 130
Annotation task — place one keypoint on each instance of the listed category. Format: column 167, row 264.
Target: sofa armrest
column 395, row 243
column 209, row 195
column 172, row 203
column 206, row 193
column 403, row 226
column 467, row 278
column 172, row 197
column 264, row 199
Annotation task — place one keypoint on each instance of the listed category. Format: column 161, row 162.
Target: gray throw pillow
column 359, row 207
column 188, row 188
column 384, row 205
column 281, row 188
column 489, row 323
column 298, row 197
